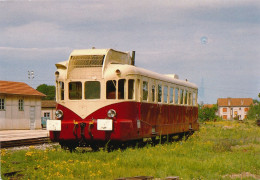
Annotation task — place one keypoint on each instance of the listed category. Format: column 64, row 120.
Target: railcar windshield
column 92, row 90
column 111, row 89
column 75, row 90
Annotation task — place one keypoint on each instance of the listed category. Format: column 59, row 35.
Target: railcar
column 102, row 97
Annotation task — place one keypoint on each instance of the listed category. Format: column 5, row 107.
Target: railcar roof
column 133, row 70
column 93, row 52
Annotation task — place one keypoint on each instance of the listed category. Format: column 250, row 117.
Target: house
column 20, row 106
column 48, row 109
column 234, row 108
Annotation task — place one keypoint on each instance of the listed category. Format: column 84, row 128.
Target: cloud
column 38, row 34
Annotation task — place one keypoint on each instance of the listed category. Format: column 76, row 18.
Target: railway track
column 24, row 142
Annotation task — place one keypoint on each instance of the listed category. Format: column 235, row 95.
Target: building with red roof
column 20, row 106
column 234, row 108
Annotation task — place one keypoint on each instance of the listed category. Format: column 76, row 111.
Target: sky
column 212, row 43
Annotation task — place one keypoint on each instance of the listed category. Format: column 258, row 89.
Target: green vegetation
column 220, row 150
column 254, row 110
column 207, row 113
column 48, row 90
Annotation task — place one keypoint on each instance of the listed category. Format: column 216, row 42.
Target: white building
column 48, row 109
column 20, row 106
column 234, row 108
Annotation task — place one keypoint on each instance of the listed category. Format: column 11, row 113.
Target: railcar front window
column 145, row 90
column 92, row 90
column 121, row 89
column 111, row 89
column 165, row 94
column 75, row 90
column 159, row 93
column 131, row 88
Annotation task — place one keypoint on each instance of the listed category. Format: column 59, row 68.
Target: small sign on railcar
column 105, row 124
column 53, row 125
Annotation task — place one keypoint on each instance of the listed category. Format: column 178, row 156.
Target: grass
column 220, row 150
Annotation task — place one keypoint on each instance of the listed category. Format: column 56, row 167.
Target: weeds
column 220, row 150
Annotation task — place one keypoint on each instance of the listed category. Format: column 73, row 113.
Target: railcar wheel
column 67, row 146
column 94, row 147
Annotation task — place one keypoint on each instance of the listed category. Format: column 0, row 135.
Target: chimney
column 133, row 58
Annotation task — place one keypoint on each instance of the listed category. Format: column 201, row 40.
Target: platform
column 12, row 135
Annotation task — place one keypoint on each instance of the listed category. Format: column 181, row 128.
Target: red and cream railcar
column 101, row 96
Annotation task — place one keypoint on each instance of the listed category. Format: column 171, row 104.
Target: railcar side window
column 61, row 84
column 75, row 90
column 121, row 89
column 176, row 95
column 190, row 98
column 185, row 96
column 194, row 98
column 181, row 96
column 171, row 95
column 153, row 93
column 92, row 90
column 165, row 94
column 131, row 88
column 111, row 89
column 145, row 90
column 159, row 93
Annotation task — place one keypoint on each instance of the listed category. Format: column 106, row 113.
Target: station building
column 20, row 106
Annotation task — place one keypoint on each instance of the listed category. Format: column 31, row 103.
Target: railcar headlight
column 111, row 113
column 59, row 113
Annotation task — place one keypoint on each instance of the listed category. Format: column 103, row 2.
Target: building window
column 224, row 109
column 246, row 109
column 75, row 90
column 225, row 117
column 2, row 104
column 47, row 114
column 92, row 90
column 21, row 104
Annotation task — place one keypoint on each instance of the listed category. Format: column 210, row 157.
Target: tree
column 207, row 113
column 254, row 111
column 48, row 90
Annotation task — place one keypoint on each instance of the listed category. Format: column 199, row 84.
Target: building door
column 32, row 117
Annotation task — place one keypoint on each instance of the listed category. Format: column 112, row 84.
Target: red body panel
column 155, row 119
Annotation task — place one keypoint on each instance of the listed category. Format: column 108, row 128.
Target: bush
column 207, row 114
column 254, row 111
